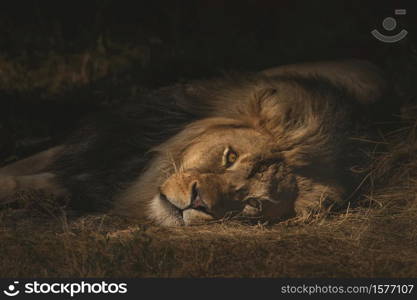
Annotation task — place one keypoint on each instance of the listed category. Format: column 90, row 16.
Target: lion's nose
column 196, row 201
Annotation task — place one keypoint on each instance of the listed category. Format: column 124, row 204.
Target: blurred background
column 60, row 60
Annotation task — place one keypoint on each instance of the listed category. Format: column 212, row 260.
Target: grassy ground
column 55, row 70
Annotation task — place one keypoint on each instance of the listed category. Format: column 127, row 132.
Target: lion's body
column 294, row 121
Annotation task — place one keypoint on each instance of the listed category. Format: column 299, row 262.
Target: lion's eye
column 229, row 157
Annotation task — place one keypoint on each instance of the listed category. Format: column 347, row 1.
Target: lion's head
column 229, row 169
column 273, row 154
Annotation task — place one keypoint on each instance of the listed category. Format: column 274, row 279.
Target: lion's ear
column 264, row 93
column 264, row 108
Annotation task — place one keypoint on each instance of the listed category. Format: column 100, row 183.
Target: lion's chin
column 166, row 214
column 195, row 217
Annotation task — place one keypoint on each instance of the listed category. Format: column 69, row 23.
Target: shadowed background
column 60, row 60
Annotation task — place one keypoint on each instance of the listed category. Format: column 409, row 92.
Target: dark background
column 60, row 60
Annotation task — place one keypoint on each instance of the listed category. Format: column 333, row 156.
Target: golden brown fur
column 287, row 131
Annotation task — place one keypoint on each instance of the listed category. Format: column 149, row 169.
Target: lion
column 268, row 145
